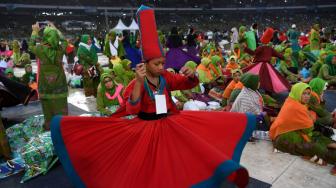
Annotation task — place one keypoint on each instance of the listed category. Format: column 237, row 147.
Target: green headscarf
column 102, row 84
column 242, row 29
column 332, row 67
column 297, row 90
column 191, row 64
column 118, row 69
column 288, row 51
column 205, row 61
column 102, row 100
column 28, row 76
column 89, row 52
column 25, row 58
column 51, row 36
column 16, row 46
column 112, row 35
column 250, row 81
column 215, row 59
column 85, row 39
column 122, row 76
column 128, row 73
column 16, row 52
column 316, row 27
column 26, row 66
column 9, row 70
column 125, row 63
column 317, row 85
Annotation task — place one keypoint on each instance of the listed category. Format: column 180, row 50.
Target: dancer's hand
column 140, row 72
column 186, row 71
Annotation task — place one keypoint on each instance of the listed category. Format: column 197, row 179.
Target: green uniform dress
column 87, row 56
column 105, row 105
column 28, row 77
column 291, row 77
column 314, row 39
column 110, row 38
column 16, row 53
column 324, row 117
column 52, row 85
column 123, row 74
column 328, row 71
column 294, row 143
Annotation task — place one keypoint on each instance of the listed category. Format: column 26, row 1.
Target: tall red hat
column 149, row 39
column 267, row 36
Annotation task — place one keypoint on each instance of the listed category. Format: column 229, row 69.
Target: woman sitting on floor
column 292, row 131
column 249, row 100
column 234, row 84
column 285, row 70
column 29, row 77
column 232, row 64
column 109, row 95
column 316, row 103
column 328, row 70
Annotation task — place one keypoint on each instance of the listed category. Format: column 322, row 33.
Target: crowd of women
column 247, row 77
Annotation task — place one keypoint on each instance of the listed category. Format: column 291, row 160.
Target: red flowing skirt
column 189, row 149
column 270, row 79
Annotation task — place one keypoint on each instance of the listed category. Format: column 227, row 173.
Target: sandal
column 315, row 160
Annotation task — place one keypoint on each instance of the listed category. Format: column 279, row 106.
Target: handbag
column 77, row 69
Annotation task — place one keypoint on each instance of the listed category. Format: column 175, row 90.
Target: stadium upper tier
column 176, row 3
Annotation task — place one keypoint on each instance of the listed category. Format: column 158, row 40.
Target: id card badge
column 160, row 104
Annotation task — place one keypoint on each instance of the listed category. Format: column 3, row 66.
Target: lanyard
column 159, row 91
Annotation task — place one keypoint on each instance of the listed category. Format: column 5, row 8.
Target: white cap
column 293, row 26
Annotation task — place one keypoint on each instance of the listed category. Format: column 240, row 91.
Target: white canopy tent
column 120, row 26
column 133, row 26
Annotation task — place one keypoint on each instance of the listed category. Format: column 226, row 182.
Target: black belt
column 151, row 116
